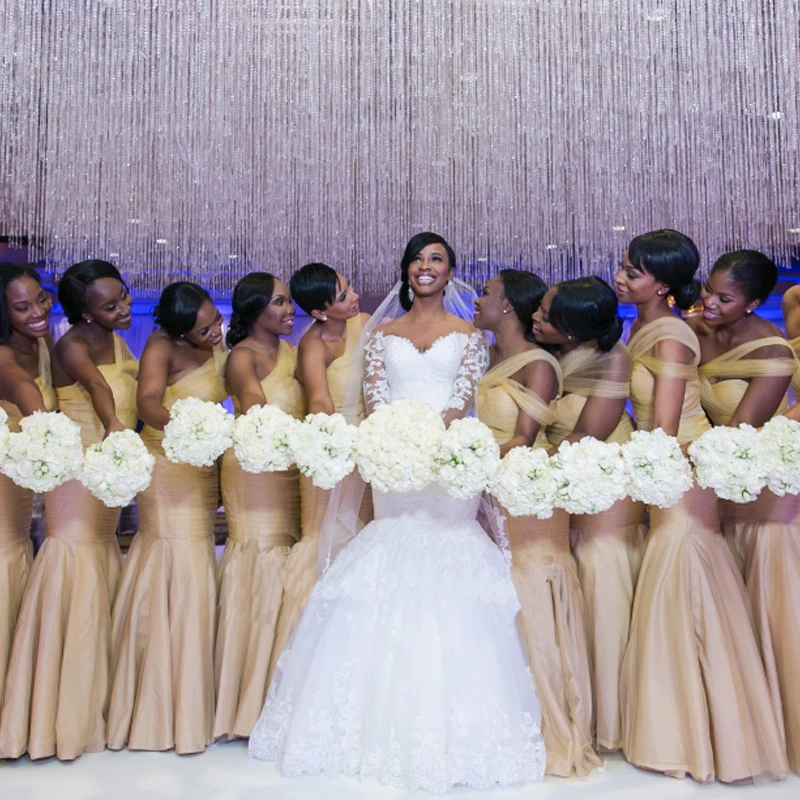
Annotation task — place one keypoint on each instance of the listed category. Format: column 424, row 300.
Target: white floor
column 225, row 773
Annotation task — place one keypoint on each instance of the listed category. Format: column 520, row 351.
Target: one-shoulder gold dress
column 552, row 613
column 58, row 676
column 300, row 570
column 693, row 694
column 608, row 546
column 765, row 537
column 263, row 515
column 16, row 509
column 164, row 618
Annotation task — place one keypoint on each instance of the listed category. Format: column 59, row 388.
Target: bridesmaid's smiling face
column 28, row 306
column 635, row 284
column 344, row 305
column 492, row 305
column 724, row 300
column 207, row 330
column 108, row 303
column 543, row 331
column 277, row 317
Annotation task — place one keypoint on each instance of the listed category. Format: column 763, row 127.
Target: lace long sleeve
column 376, row 385
column 474, row 363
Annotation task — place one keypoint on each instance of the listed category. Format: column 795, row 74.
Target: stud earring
column 505, row 311
column 324, row 319
column 660, row 294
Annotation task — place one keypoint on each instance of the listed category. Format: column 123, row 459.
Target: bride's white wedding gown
column 407, row 667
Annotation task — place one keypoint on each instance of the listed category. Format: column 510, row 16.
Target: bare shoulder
column 461, row 325
column 698, row 325
column 791, row 297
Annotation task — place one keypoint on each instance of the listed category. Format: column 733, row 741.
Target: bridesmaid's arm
column 599, row 418
column 669, row 392
column 75, row 359
column 242, row 379
column 16, row 386
column 153, row 373
column 541, row 379
column 312, row 370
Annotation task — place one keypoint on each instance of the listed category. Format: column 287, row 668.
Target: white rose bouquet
column 117, row 469
column 731, row 461
column 4, row 434
column 397, row 446
column 780, row 439
column 198, row 432
column 324, row 448
column 46, row 452
column 261, row 439
column 590, row 475
column 657, row 472
column 525, row 485
column 468, row 458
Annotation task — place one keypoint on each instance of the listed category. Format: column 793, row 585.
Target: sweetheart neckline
column 430, row 346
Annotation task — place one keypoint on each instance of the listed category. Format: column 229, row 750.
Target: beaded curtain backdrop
column 202, row 138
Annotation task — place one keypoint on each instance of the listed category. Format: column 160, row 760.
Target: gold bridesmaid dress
column 552, row 614
column 58, row 677
column 164, row 618
column 263, row 515
column 300, row 570
column 693, row 694
column 608, row 547
column 16, row 509
column 765, row 537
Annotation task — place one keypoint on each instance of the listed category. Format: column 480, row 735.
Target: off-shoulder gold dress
column 765, row 536
column 608, row 547
column 58, row 676
column 300, row 570
column 552, row 614
column 16, row 509
column 164, row 619
column 693, row 694
column 263, row 514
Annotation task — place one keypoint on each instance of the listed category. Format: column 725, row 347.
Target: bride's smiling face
column 430, row 271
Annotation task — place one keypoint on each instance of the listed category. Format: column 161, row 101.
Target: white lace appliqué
column 474, row 364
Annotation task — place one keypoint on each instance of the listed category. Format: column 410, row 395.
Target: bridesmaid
column 516, row 400
column 694, row 698
column 25, row 387
column 263, row 511
column 579, row 318
column 791, row 315
column 163, row 623
column 324, row 357
column 745, row 369
column 57, row 685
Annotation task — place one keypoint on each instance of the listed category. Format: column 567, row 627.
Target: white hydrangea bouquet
column 524, row 484
column 468, row 458
column 397, row 446
column 780, row 439
column 46, row 452
column 117, row 469
column 4, row 434
column 324, row 448
column 198, row 432
column 261, row 439
column 656, row 470
column 731, row 461
column 590, row 475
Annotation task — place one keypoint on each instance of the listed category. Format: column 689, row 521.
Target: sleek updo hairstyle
column 671, row 258
column 415, row 245
column 524, row 291
column 752, row 271
column 251, row 296
column 76, row 281
column 8, row 273
column 313, row 287
column 177, row 308
column 586, row 308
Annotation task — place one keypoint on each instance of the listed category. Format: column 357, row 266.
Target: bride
column 407, row 667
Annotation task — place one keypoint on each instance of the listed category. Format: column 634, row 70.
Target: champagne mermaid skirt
column 162, row 694
column 16, row 556
column 58, row 676
column 608, row 549
column 263, row 514
column 694, row 697
column 765, row 535
column 554, row 631
column 300, row 570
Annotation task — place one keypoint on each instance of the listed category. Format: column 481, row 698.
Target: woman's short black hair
column 415, row 245
column 753, row 271
column 178, row 305
column 313, row 287
column 75, row 282
column 671, row 258
column 586, row 308
column 8, row 273
column 251, row 296
column 524, row 291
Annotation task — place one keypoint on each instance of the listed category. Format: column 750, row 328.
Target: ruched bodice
column 45, row 383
